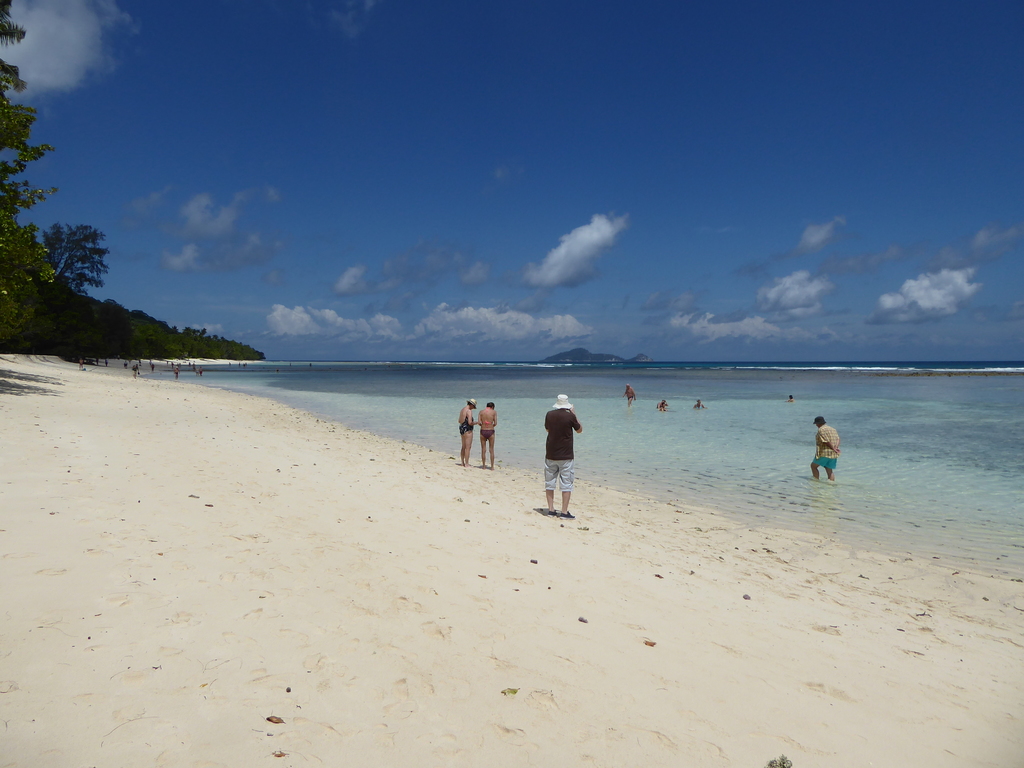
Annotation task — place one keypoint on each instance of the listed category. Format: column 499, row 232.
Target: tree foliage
column 74, row 325
column 10, row 33
column 76, row 255
column 21, row 255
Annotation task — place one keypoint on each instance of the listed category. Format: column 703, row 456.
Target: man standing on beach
column 826, row 449
column 559, row 467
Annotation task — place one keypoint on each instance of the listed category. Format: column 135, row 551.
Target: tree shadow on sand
column 15, row 383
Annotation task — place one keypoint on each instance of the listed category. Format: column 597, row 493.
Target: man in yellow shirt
column 826, row 449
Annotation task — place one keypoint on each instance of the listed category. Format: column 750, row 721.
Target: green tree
column 76, row 255
column 10, row 33
column 21, row 255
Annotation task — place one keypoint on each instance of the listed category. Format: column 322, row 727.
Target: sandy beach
column 181, row 563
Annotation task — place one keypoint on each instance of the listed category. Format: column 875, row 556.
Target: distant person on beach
column 559, row 459
column 629, row 394
column 826, row 449
column 663, row 406
column 699, row 405
column 791, row 400
column 466, row 423
column 488, row 421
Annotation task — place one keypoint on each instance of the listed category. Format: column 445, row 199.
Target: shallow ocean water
column 931, row 465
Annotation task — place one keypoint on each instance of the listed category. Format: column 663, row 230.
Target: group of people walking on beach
column 561, row 423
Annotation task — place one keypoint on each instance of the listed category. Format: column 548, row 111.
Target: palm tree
column 10, row 33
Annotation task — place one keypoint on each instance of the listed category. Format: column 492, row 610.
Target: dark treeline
column 73, row 325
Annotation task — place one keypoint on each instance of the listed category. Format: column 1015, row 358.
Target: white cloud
column 749, row 327
column 202, row 221
column 817, row 236
column 307, row 321
column 64, row 41
column 351, row 18
column 498, row 324
column 931, row 296
column 572, row 261
column 225, row 247
column 795, row 295
column 186, row 261
column 351, row 282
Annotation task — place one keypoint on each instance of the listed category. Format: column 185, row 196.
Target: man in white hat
column 559, row 467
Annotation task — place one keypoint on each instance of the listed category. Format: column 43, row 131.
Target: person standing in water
column 629, row 394
column 699, row 406
column 488, row 421
column 466, row 423
column 826, row 449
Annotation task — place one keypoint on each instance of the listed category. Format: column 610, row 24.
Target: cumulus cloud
column 818, row 236
column 931, row 296
column 795, row 295
column 420, row 266
column 65, row 41
column 307, row 321
column 351, row 282
column 497, row 324
column 749, row 328
column 572, row 261
column 662, row 300
column 351, row 16
column 202, row 219
column 214, row 240
column 988, row 244
column 186, row 261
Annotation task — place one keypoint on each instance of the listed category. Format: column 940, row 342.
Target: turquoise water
column 931, row 465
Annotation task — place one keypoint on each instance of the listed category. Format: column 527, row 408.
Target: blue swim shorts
column 821, row 461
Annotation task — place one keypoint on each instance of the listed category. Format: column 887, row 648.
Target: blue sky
column 388, row 179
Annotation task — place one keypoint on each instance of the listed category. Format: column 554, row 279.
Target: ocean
column 932, row 463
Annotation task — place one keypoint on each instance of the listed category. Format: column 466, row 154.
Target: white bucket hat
column 562, row 402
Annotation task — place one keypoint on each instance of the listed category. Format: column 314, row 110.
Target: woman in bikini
column 466, row 430
column 488, row 422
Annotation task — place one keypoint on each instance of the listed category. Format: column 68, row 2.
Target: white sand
column 175, row 558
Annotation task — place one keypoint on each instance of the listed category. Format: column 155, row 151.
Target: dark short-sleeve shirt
column 560, row 424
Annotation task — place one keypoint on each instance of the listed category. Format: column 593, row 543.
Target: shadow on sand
column 15, row 383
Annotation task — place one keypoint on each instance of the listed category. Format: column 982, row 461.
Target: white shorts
column 564, row 471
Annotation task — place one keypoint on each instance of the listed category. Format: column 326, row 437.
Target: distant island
column 581, row 355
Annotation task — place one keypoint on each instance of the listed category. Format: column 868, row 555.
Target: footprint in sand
column 835, row 693
column 52, row 572
column 432, row 629
column 542, row 700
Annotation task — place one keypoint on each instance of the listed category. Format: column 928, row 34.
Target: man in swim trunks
column 826, row 451
column 629, row 394
column 559, row 459
column 488, row 421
